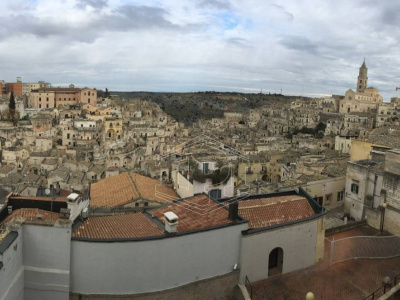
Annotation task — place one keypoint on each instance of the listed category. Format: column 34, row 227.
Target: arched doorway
column 275, row 261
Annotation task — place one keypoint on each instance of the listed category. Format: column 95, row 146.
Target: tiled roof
column 195, row 213
column 31, row 214
column 266, row 212
column 57, row 199
column 153, row 189
column 113, row 191
column 118, row 226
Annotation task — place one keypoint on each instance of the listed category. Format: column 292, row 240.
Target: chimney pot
column 171, row 222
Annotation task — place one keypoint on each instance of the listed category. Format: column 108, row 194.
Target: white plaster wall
column 297, row 241
column 47, row 262
column 183, row 186
column 154, row 265
column 12, row 273
column 227, row 190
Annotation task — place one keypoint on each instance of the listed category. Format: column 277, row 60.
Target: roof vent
column 171, row 222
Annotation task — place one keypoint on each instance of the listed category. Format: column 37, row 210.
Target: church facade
column 364, row 99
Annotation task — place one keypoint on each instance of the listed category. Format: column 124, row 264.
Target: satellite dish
column 47, row 191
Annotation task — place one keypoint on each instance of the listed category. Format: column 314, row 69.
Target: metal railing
column 248, row 286
column 382, row 290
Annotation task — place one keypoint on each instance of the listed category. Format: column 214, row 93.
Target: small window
column 340, row 196
column 354, row 188
column 146, row 204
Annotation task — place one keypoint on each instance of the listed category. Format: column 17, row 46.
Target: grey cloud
column 97, row 4
column 238, row 42
column 299, row 43
column 128, row 17
column 283, row 11
column 218, row 4
column 122, row 19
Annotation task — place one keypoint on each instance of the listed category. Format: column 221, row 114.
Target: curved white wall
column 119, row 268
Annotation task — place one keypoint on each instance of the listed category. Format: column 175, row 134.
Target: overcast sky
column 304, row 47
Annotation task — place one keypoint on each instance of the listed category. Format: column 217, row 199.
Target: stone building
column 364, row 98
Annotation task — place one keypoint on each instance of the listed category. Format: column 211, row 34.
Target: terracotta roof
column 153, row 189
column 195, row 213
column 266, row 212
column 118, row 226
column 31, row 214
column 113, row 191
column 56, row 199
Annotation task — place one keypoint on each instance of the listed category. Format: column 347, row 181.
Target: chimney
column 171, row 222
column 234, row 211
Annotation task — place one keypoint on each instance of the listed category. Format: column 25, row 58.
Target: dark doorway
column 275, row 262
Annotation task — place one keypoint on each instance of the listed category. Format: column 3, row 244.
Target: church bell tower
column 362, row 78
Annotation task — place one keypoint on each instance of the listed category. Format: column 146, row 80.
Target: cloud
column 188, row 45
column 299, row 43
column 96, row 4
column 218, row 4
column 280, row 9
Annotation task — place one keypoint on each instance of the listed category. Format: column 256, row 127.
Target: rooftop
column 113, row 191
column 31, row 214
column 265, row 212
column 117, row 227
column 195, row 213
column 153, row 189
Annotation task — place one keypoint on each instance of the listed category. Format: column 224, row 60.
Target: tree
column 11, row 107
column 106, row 93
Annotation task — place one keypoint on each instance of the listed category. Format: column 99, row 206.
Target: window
column 88, row 93
column 354, row 188
column 340, row 196
column 68, row 135
column 40, row 98
column 146, row 204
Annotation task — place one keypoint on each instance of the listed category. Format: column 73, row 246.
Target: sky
column 307, row 47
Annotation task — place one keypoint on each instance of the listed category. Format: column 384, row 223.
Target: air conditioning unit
column 85, row 213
